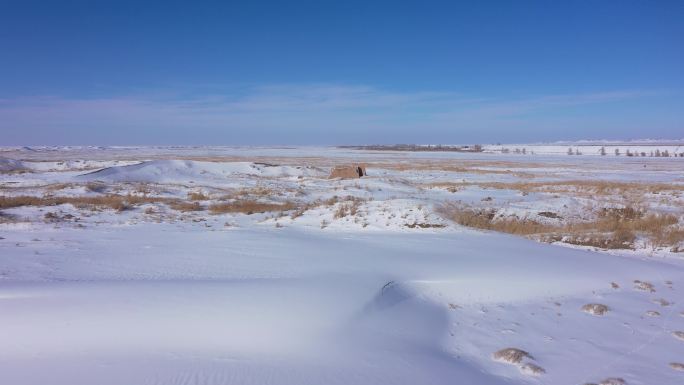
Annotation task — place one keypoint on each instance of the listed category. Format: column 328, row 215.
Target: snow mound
column 10, row 165
column 170, row 171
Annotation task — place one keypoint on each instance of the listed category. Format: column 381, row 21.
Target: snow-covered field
column 144, row 265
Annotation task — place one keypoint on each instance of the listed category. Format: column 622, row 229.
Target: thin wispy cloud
column 317, row 113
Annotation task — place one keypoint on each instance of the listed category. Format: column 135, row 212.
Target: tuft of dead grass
column 644, row 286
column 613, row 228
column 596, row 309
column 185, row 206
column 115, row 202
column 198, row 196
column 485, row 219
column 511, row 355
column 349, row 208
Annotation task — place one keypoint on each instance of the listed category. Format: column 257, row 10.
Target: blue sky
column 339, row 72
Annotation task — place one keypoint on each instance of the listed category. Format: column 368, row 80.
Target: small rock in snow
column 532, row 370
column 595, row 309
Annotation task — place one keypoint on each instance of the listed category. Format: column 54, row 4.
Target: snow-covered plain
column 392, row 293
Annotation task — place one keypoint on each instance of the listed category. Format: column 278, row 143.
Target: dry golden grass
column 349, row 205
column 185, row 206
column 614, row 228
column 116, row 202
column 197, row 196
column 349, row 208
column 58, row 186
column 249, row 207
column 485, row 219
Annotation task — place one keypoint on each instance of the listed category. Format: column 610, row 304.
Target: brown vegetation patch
column 116, row 202
column 485, row 219
column 96, row 187
column 614, row 228
column 250, row 207
column 185, row 206
column 350, row 208
column 51, row 217
column 549, row 214
column 197, row 196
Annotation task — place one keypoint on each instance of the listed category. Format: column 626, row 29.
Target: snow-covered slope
column 11, row 165
column 146, row 305
column 169, row 171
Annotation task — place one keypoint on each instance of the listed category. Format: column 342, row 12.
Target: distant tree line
column 418, row 147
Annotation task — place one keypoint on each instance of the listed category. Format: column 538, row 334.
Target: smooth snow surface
column 146, row 305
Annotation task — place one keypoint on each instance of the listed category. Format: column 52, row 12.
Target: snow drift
column 170, row 171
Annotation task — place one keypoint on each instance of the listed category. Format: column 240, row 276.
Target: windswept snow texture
column 152, row 296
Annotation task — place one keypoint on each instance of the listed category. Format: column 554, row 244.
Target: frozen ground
column 326, row 281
